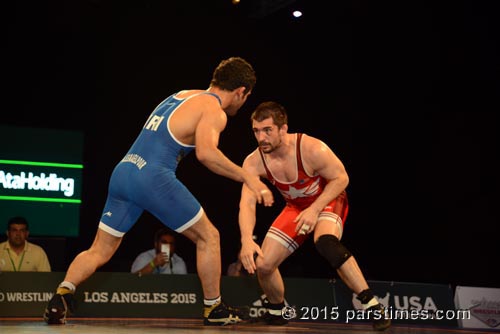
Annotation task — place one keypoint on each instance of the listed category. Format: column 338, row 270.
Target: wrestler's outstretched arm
column 247, row 214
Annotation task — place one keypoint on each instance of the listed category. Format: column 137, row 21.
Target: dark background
column 406, row 94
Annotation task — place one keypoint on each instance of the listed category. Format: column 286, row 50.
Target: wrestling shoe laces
column 220, row 314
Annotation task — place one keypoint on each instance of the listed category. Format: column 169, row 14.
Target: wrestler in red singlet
column 299, row 195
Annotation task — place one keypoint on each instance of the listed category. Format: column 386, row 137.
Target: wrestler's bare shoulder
column 186, row 118
column 184, row 94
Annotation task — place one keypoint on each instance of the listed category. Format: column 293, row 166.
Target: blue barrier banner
column 406, row 303
column 126, row 295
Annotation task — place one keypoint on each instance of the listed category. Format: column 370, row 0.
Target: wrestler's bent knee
column 265, row 268
column 330, row 247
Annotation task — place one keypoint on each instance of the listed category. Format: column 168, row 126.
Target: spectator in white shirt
column 162, row 259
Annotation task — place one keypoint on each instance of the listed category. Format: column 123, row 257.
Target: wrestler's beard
column 270, row 148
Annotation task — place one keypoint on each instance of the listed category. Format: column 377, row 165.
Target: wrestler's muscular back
column 186, row 118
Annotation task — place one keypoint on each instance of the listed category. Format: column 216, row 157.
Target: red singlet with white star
column 299, row 195
column 305, row 189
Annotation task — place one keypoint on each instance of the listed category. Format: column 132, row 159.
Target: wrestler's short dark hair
column 233, row 73
column 270, row 109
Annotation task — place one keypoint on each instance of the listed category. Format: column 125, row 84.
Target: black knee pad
column 330, row 247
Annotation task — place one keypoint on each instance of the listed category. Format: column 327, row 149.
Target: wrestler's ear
column 284, row 129
column 241, row 91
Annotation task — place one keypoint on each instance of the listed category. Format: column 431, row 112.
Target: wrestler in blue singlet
column 145, row 178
